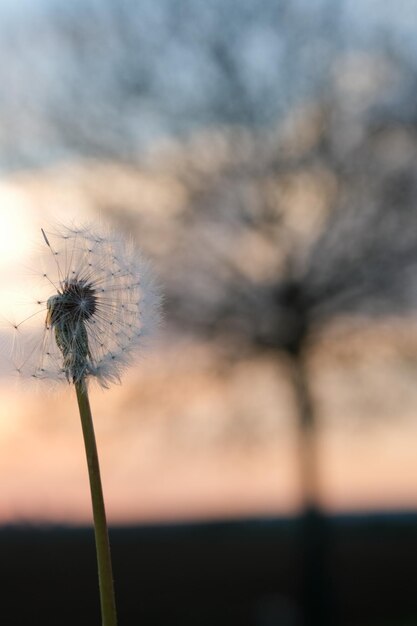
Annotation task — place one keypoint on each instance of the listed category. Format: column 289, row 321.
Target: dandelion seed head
column 99, row 303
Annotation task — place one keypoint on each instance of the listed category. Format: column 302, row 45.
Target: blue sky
column 42, row 76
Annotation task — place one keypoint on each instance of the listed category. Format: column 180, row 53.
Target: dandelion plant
column 99, row 303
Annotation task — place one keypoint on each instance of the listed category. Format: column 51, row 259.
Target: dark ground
column 243, row 573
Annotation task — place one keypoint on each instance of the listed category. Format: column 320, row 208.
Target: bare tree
column 257, row 273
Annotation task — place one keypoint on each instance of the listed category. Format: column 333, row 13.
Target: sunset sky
column 180, row 441
column 224, row 162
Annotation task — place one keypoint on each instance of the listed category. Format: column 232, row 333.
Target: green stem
column 108, row 604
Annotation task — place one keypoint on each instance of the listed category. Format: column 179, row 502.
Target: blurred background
column 259, row 463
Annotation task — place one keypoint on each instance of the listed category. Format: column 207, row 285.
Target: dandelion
column 99, row 304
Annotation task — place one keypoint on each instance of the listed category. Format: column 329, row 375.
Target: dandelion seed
column 94, row 294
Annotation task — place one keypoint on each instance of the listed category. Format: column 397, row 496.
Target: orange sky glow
column 184, row 439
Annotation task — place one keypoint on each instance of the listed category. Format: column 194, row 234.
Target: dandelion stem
column 108, row 605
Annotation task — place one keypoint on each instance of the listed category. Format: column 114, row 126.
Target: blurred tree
column 281, row 235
